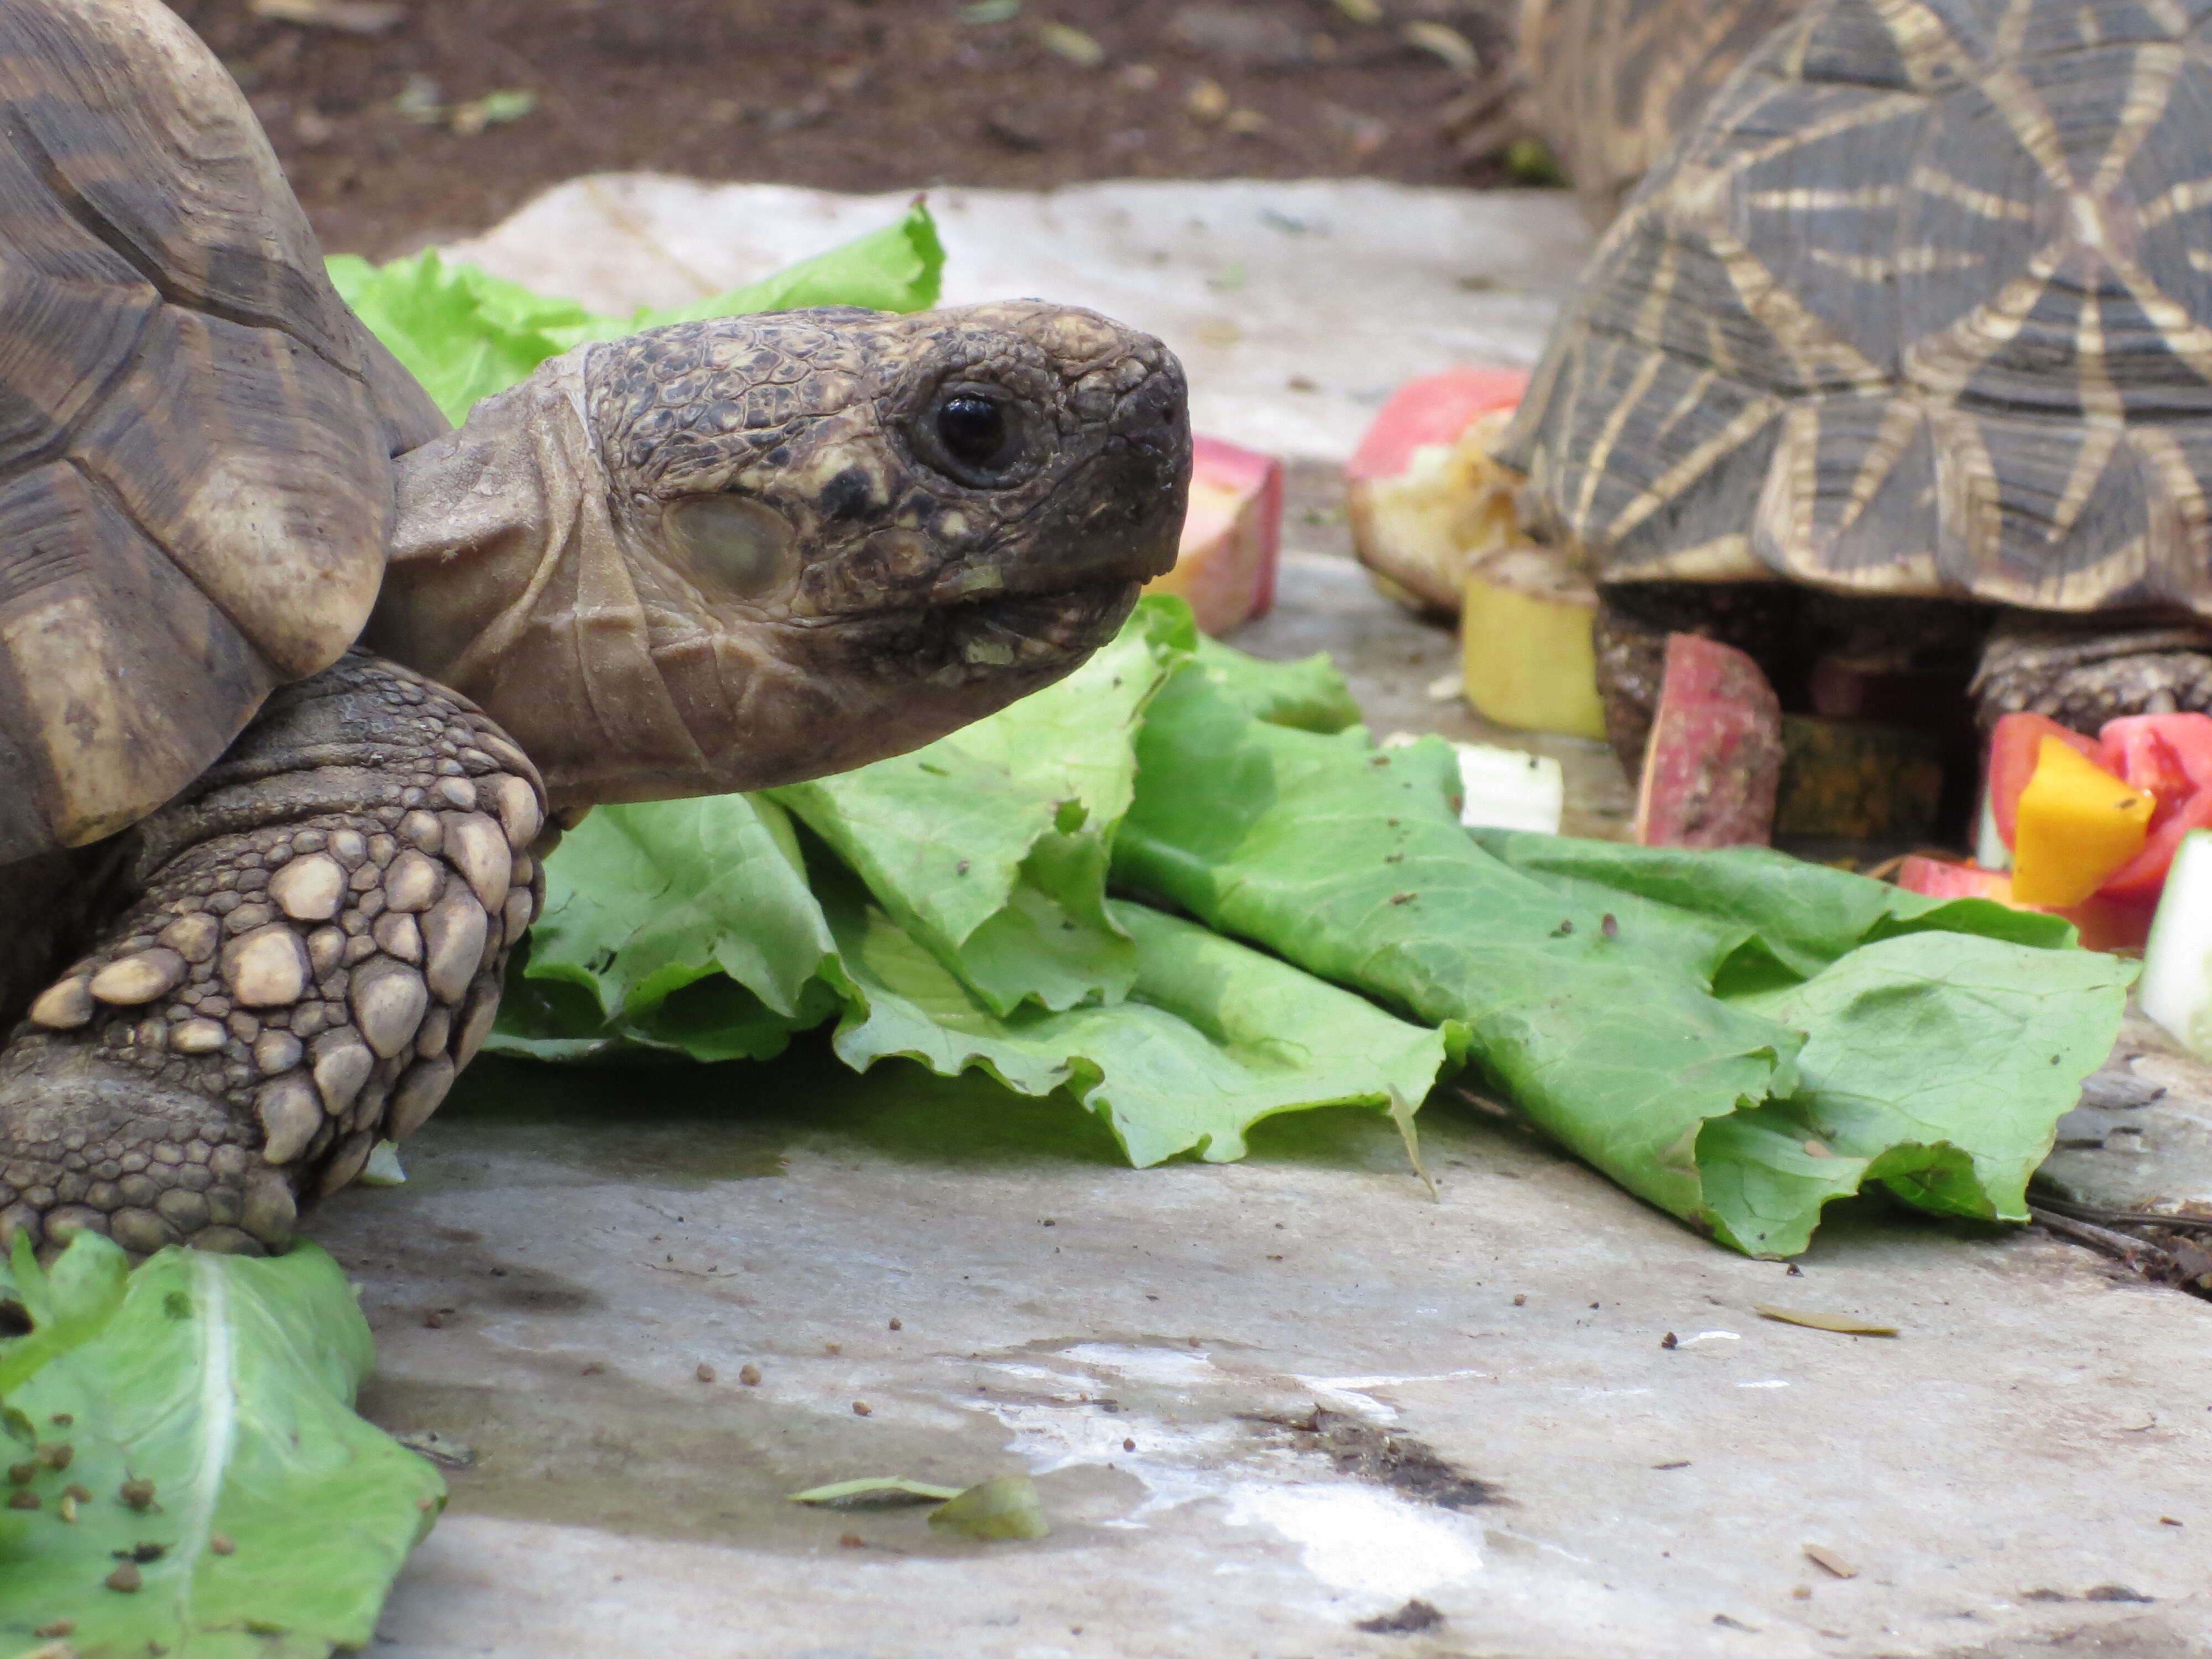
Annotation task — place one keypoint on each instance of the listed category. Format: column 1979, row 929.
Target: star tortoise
column 296, row 683
column 1901, row 348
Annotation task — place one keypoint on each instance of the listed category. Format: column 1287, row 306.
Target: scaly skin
column 715, row 556
column 313, row 949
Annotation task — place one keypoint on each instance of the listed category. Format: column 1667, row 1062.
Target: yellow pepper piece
column 2077, row 823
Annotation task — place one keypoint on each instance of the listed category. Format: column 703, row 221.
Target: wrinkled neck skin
column 506, row 582
column 518, row 577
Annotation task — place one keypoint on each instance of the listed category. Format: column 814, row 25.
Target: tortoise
column 1900, row 347
column 297, row 685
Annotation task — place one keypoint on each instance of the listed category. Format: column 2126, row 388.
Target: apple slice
column 1526, row 643
column 1231, row 536
column 1714, row 757
column 1422, row 494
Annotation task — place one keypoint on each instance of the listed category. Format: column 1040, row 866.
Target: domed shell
column 1922, row 305
column 195, row 433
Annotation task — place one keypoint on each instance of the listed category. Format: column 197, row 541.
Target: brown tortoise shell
column 1922, row 305
column 195, row 433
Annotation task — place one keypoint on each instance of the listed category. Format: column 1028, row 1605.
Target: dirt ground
column 388, row 113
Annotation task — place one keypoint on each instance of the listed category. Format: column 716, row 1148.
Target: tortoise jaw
column 1040, row 632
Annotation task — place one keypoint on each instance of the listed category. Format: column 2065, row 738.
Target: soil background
column 376, row 106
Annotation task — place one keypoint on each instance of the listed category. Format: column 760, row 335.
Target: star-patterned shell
column 1921, row 304
column 195, row 433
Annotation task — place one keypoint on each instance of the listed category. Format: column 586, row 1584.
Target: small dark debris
column 2167, row 1520
column 851, row 1540
column 593, row 1370
column 897, row 1326
column 1403, row 898
column 137, row 1492
column 1726, row 1623
column 1416, row 1615
column 22, row 1474
column 2115, row 1593
column 1520, row 1301
column 127, row 1577
column 62, row 1419
column 221, row 1543
column 1679, row 1463
column 58, row 1628
column 1670, row 1340
column 56, row 1454
column 438, row 1318
column 22, row 1498
column 705, row 1373
column 2046, row 1596
column 1131, row 1445
column 1388, row 1458
column 862, row 1408
column 1608, row 926
column 141, row 1553
column 1793, row 1271
column 749, row 1375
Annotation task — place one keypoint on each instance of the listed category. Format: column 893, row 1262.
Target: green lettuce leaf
column 990, row 847
column 1213, row 1037
column 465, row 334
column 226, row 1384
column 1937, row 1063
column 1583, row 975
column 686, row 925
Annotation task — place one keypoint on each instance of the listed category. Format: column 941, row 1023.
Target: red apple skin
column 1231, row 536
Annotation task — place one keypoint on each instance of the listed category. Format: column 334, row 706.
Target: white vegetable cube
column 2176, row 987
column 1510, row 789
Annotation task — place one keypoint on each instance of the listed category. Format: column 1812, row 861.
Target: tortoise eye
column 974, row 430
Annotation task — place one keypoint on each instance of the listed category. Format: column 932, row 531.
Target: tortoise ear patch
column 734, row 544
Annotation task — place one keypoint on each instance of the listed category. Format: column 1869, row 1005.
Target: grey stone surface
column 1147, row 1342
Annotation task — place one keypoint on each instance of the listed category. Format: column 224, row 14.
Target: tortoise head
column 726, row 555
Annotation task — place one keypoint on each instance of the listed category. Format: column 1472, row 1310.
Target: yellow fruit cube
column 1526, row 644
column 2077, row 823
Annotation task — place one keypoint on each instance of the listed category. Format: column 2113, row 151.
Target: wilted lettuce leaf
column 1584, row 976
column 228, row 1384
column 464, row 333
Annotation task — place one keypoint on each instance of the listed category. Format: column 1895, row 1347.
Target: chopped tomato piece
column 2143, row 875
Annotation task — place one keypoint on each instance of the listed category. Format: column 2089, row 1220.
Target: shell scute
column 1963, row 252
column 195, row 433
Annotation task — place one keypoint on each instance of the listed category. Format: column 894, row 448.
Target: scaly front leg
column 315, row 946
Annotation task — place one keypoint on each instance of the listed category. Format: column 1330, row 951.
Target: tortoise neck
column 508, row 583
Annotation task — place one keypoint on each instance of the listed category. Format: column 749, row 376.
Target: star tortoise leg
column 2083, row 670
column 311, row 944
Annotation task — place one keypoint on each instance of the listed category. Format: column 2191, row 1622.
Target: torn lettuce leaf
column 465, row 334
column 271, row 1520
